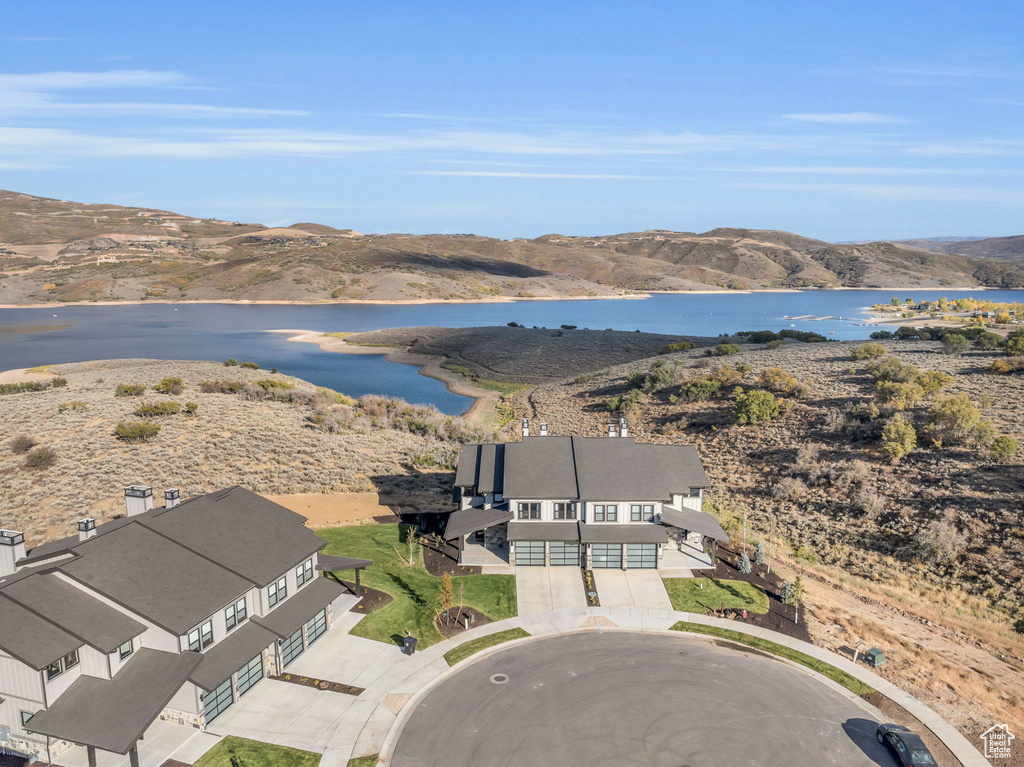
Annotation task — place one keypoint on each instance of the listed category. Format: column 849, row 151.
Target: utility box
column 875, row 657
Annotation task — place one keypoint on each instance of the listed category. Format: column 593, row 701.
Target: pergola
column 332, row 564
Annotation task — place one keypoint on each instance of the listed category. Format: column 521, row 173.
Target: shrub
column 682, row 346
column 269, row 383
column 778, row 342
column 1015, row 344
column 22, row 444
column 755, row 407
column 191, row 408
column 988, row 341
column 868, row 351
column 932, row 381
column 898, row 438
column 744, row 564
column 250, row 365
column 893, row 369
column 941, row 540
column 73, row 405
column 41, row 458
column 230, row 363
column 221, row 387
column 1012, row 365
column 899, row 395
column 759, row 336
column 172, row 385
column 129, row 390
column 789, row 489
column 724, row 350
column 727, row 376
column 1004, row 448
column 581, row 379
column 136, row 431
column 569, row 327
column 514, row 325
column 157, row 409
column 776, row 379
column 954, row 343
column 699, row 389
column 759, row 557
column 625, row 402
column 955, row 420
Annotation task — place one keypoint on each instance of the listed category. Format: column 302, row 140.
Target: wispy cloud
column 65, row 81
column 850, row 170
column 950, row 71
column 523, row 174
column 974, row 148
column 843, row 118
column 899, row 192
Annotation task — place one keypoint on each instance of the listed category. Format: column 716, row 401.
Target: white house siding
column 19, row 680
column 186, row 700
column 93, row 662
column 55, row 687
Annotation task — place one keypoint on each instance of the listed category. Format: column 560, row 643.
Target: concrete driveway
column 642, row 700
column 631, row 588
column 543, row 589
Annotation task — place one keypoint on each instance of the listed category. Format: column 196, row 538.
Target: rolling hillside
column 55, row 251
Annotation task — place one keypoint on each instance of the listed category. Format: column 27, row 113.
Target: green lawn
column 463, row 651
column 687, row 595
column 415, row 591
column 364, row 761
column 851, row 683
column 240, row 752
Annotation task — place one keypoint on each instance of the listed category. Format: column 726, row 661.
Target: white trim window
column 201, row 637
column 61, row 665
column 528, row 510
column 277, row 592
column 606, row 512
column 236, row 614
column 565, row 511
column 126, row 649
column 304, row 572
column 641, row 512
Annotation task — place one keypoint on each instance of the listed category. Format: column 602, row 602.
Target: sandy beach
column 24, row 375
column 484, row 400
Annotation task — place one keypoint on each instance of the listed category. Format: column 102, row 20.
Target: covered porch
column 689, row 534
column 482, row 536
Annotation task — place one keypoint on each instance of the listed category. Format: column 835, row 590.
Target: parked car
column 906, row 747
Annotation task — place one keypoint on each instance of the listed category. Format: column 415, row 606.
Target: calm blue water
column 219, row 331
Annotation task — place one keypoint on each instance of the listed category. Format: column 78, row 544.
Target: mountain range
column 58, row 251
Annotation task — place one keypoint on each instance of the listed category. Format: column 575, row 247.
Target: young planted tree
column 446, row 599
column 744, row 564
column 759, row 557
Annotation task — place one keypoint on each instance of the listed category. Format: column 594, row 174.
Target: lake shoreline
column 484, row 400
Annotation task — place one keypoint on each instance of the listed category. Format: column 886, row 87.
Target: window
column 61, row 665
column 599, row 513
column 201, row 638
column 498, row 498
column 528, row 510
column 126, row 649
column 304, row 572
column 235, row 614
column 26, row 717
column 638, row 512
column 612, row 513
column 276, row 592
column 565, row 511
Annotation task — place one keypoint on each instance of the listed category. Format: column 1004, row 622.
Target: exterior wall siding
column 19, row 680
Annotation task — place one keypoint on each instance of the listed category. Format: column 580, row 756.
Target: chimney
column 623, row 428
column 138, row 499
column 171, row 497
column 526, row 427
column 12, row 548
column 543, row 430
column 611, row 430
column 86, row 528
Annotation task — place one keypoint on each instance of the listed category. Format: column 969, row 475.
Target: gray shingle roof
column 543, row 531
column 630, row 532
column 155, row 577
column 697, row 521
column 468, row 520
column 79, row 614
column 242, row 531
column 582, row 468
column 112, row 714
column 31, row 639
column 227, row 656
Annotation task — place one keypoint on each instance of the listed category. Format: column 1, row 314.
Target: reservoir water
column 30, row 337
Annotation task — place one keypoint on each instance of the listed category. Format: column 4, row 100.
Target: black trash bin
column 409, row 645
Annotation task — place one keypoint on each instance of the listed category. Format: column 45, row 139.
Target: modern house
column 168, row 613
column 592, row 502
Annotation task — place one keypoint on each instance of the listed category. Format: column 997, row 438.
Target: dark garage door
column 291, row 648
column 642, row 555
column 606, row 554
column 529, row 553
column 563, row 553
column 250, row 674
column 316, row 627
column 215, row 702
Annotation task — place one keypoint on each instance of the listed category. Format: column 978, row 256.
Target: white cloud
column 975, row 148
column 65, row 81
column 843, row 118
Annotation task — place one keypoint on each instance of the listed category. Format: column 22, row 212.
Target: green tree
column 723, row 350
column 1015, row 344
column 932, row 381
column 759, row 557
column 868, row 351
column 955, row 420
column 898, row 438
column 744, row 564
column 954, row 343
column 755, row 407
column 446, row 598
column 1004, row 448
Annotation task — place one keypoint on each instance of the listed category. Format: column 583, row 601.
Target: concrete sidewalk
column 631, row 588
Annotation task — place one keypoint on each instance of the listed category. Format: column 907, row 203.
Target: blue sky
column 837, row 120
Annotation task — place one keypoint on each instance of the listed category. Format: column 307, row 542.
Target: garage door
column 316, row 627
column 292, row 648
column 641, row 555
column 606, row 554
column 215, row 702
column 564, row 554
column 529, row 553
column 250, row 674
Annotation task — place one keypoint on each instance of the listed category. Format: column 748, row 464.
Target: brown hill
column 64, row 251
column 1004, row 248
